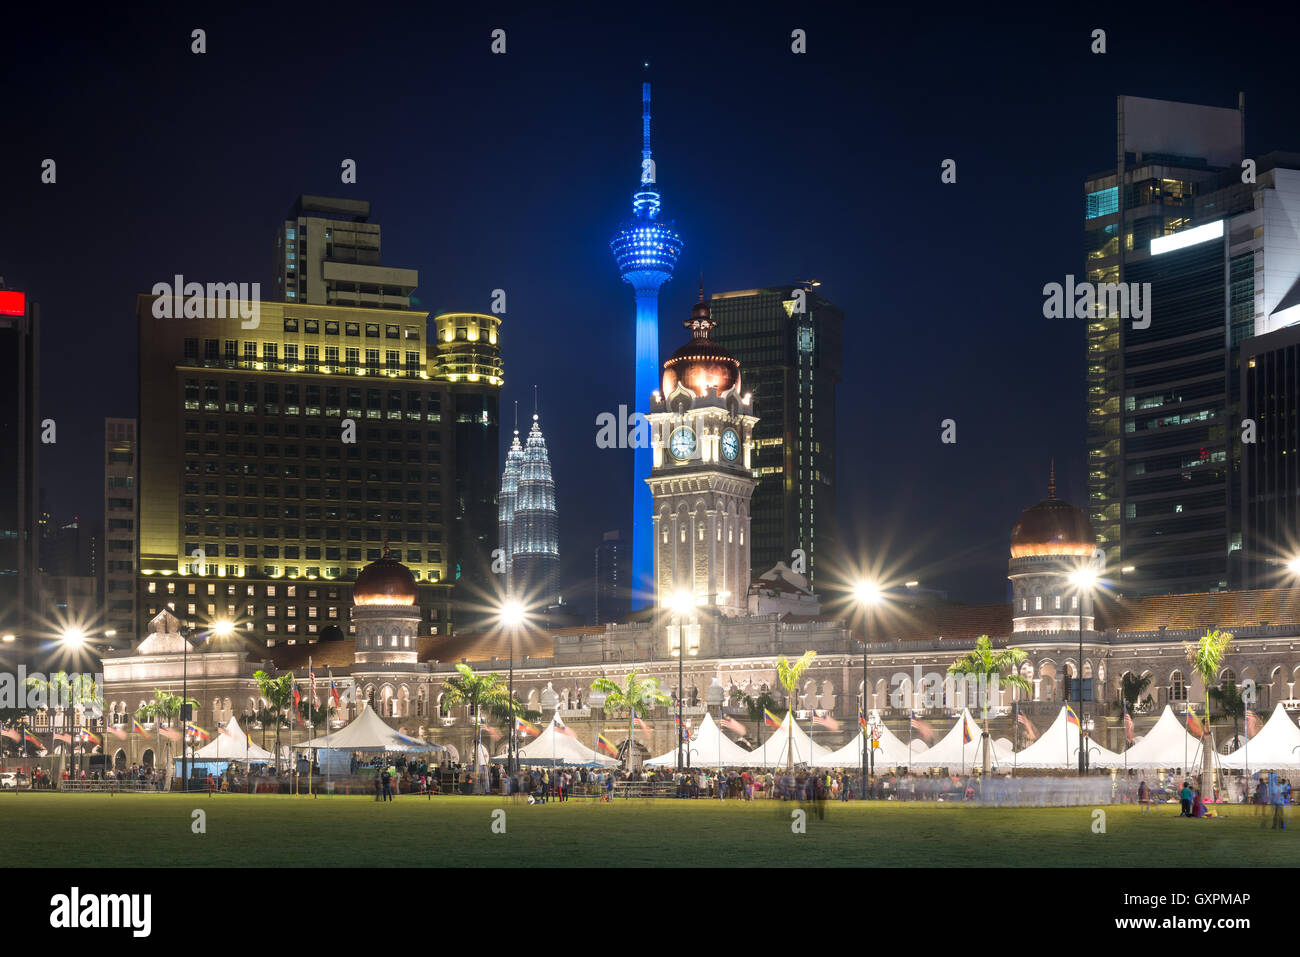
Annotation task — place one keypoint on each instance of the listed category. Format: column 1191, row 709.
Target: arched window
column 1177, row 687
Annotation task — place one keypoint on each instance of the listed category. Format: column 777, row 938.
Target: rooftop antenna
column 516, row 416
column 534, row 401
column 1051, row 480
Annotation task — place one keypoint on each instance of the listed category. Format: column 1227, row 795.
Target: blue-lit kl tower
column 646, row 251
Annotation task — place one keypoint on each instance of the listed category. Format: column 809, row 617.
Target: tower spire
column 645, row 201
column 1051, row 480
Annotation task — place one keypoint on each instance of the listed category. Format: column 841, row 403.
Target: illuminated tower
column 646, row 252
column 534, row 567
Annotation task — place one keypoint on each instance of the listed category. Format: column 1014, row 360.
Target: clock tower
column 701, row 429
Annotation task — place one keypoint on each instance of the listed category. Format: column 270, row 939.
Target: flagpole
column 1015, row 755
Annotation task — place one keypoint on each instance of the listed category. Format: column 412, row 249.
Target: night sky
column 513, row 172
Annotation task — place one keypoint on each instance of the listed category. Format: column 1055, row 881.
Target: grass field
column 151, row 830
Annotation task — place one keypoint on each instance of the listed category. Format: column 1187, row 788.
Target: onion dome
column 701, row 364
column 385, row 582
column 1052, row 527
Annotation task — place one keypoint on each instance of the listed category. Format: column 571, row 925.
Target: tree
column 1132, row 688
column 1206, row 657
column 756, row 706
column 992, row 668
column 476, row 692
column 264, row 717
column 636, row 696
column 165, row 705
column 278, row 693
column 1228, row 697
column 788, row 673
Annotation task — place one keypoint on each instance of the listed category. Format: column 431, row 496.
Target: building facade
column 19, row 475
column 611, row 585
column 121, row 527
column 793, row 361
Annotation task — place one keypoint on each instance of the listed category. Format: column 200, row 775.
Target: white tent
column 952, row 753
column 554, row 747
column 709, row 748
column 1058, row 747
column 367, row 732
column 892, row 753
column 1166, row 745
column 233, row 745
column 775, row 751
column 1272, row 747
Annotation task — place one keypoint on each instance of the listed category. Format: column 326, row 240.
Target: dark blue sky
column 513, row 171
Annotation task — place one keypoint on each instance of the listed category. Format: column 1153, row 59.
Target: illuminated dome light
column 1053, row 527
column 385, row 582
column 701, row 364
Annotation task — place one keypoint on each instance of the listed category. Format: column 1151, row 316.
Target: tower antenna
column 516, row 416
column 1051, row 480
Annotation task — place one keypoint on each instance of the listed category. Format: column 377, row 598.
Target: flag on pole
column 922, row 727
column 334, row 690
column 1071, row 717
column 825, row 719
column 1128, row 724
column 563, row 728
column 60, row 736
column 1193, row 724
column 1027, row 724
column 641, row 724
column 12, row 734
column 965, row 730
column 117, row 733
column 311, row 678
column 297, row 696
column 862, row 720
column 772, row 720
column 731, row 724
column 1252, row 723
column 524, row 727
column 602, row 744
column 194, row 729
column 30, row 738
column 136, row 727
column 88, row 738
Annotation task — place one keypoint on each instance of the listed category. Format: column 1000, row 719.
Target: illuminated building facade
column 646, row 250
column 701, row 433
column 529, row 526
column 121, row 525
column 19, row 484
column 792, row 362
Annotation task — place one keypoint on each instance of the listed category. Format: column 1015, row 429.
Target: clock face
column 682, row 444
column 730, row 445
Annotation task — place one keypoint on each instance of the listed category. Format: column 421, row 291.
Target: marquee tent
column 774, row 752
column 951, row 752
column 1058, row 747
column 892, row 753
column 367, row 732
column 1272, row 747
column 553, row 747
column 1166, row 745
column 233, row 745
column 709, row 748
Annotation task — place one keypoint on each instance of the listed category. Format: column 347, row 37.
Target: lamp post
column 512, row 614
column 681, row 604
column 1084, row 580
column 868, row 596
column 219, row 628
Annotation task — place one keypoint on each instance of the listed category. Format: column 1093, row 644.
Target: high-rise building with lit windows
column 19, row 484
column 529, row 525
column 646, row 249
column 121, row 527
column 793, row 361
column 276, row 461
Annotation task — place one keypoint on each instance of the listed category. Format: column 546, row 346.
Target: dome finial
column 1051, row 480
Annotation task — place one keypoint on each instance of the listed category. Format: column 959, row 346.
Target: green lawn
column 242, row 830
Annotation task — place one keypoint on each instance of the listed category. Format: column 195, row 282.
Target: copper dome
column 701, row 364
column 1052, row 527
column 385, row 582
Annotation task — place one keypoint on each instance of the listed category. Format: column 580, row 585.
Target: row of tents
column 1167, row 745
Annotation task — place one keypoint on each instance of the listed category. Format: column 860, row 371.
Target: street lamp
column 74, row 639
column 868, row 595
column 220, row 628
column 1084, row 580
column 681, row 603
column 512, row 616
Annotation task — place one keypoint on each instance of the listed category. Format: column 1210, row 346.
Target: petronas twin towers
column 529, row 528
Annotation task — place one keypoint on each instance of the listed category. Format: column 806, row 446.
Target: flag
column 137, row 727
column 1028, row 725
column 965, row 730
column 523, row 727
column 825, row 720
column 1071, row 717
column 222, row 729
column 922, row 728
column 117, row 733
column 1193, row 725
column 772, row 720
column 641, row 724
column 30, row 738
column 602, row 744
column 1252, row 723
column 194, row 729
column 297, row 696
column 1128, row 724
column 89, row 738
column 563, row 728
column 11, row 734
column 311, row 677
column 171, row 734
column 731, row 724
column 334, row 690
column 65, row 738
column 862, row 721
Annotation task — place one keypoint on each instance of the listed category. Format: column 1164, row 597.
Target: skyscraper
column 792, row 361
column 19, row 486
column 612, row 601
column 529, row 527
column 646, row 251
column 121, row 527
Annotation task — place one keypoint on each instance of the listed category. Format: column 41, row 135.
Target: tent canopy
column 892, row 753
column 368, row 733
column 1058, row 747
column 1166, row 745
column 775, row 751
column 555, row 747
column 1273, row 746
column 232, row 744
column 952, row 752
column 709, row 748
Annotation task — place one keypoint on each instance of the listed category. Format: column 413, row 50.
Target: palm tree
column 1206, row 657
column 278, row 693
column 788, row 673
column 1132, row 688
column 636, row 696
column 165, row 705
column 756, row 706
column 476, row 692
column 992, row 667
column 264, row 717
column 1228, row 697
